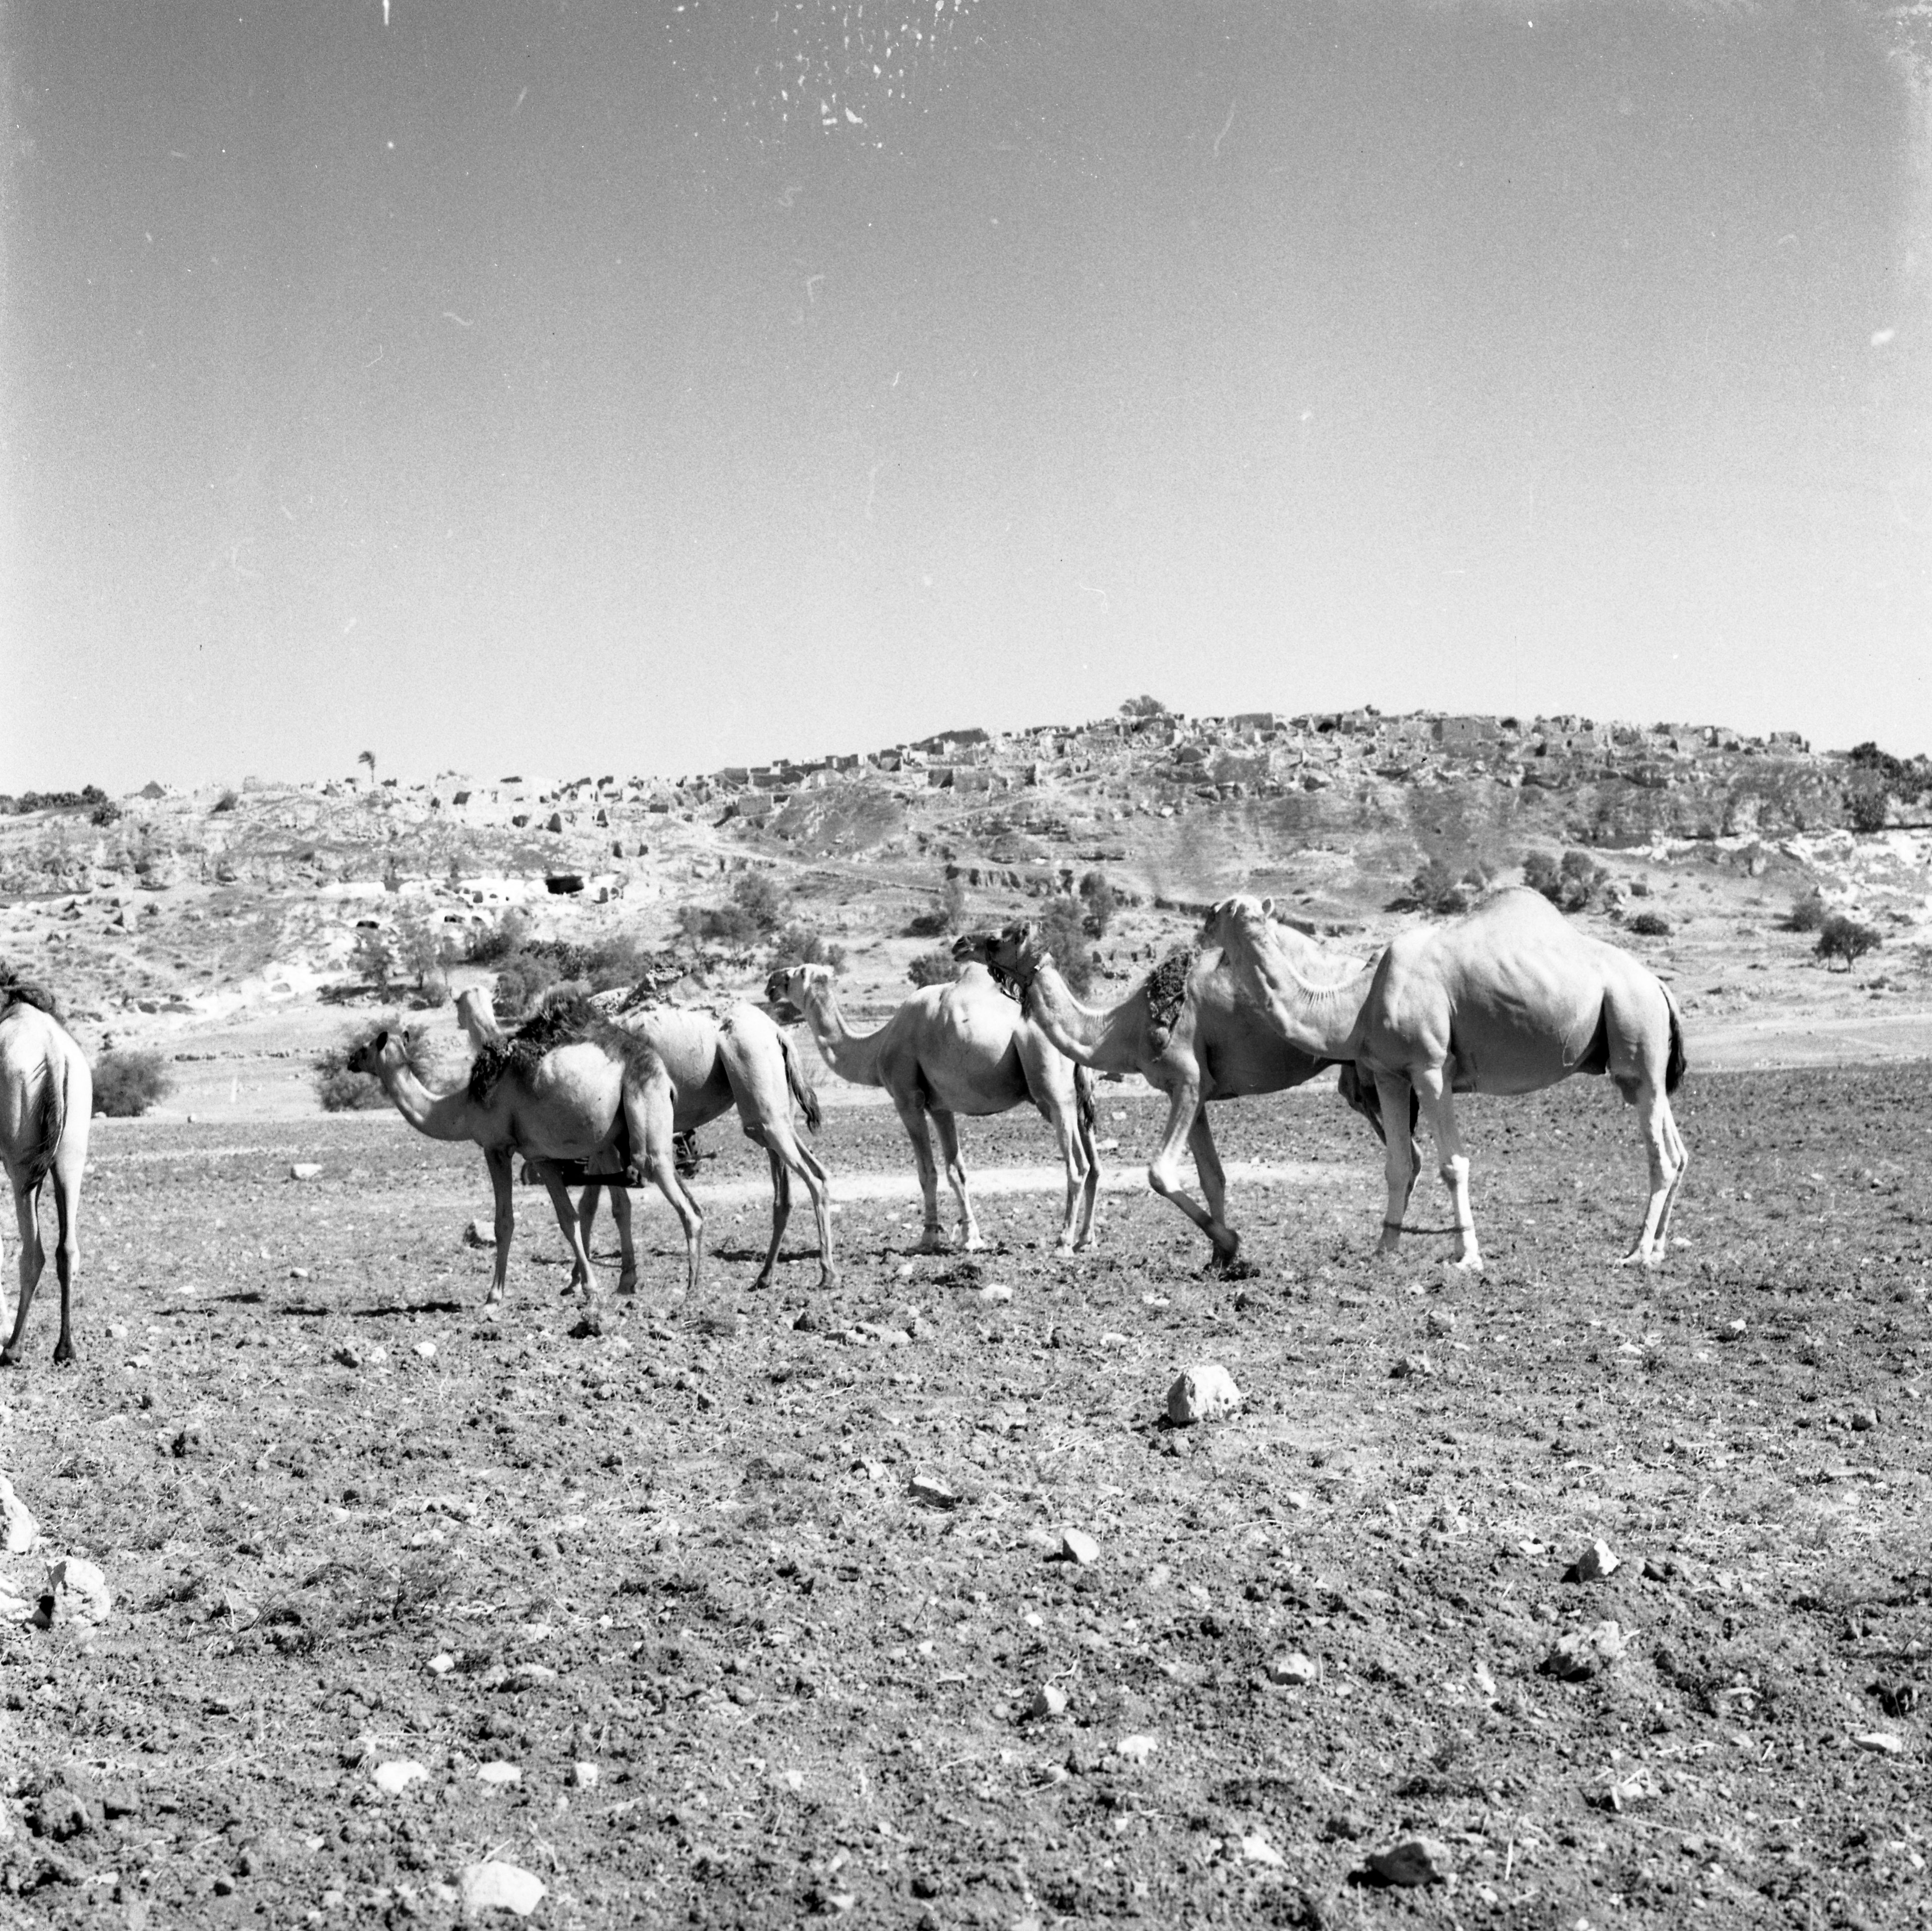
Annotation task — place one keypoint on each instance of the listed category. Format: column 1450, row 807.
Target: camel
column 1510, row 999
column 577, row 1102
column 46, row 1102
column 1188, row 1030
column 744, row 1061
column 964, row 1047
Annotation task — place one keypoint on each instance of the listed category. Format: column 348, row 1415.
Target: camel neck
column 440, row 1116
column 1319, row 1019
column 1084, row 1033
column 852, row 1056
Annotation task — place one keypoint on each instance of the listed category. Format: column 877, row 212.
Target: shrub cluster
column 1569, row 883
column 1436, row 887
column 1063, row 932
column 1808, row 912
column 937, row 967
column 126, row 1083
column 1650, row 925
column 53, row 801
column 339, row 1090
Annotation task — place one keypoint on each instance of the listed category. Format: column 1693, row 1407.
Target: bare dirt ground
column 790, row 1596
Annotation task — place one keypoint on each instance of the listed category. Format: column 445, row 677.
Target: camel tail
column 1083, row 1098
column 801, row 1086
column 52, row 1110
column 1677, row 1062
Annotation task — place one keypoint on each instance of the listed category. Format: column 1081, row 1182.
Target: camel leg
column 781, row 1213
column 972, row 1240
column 1438, row 1105
column 1401, row 1158
column 586, row 1219
column 912, row 1118
column 67, row 1252
column 627, row 1264
column 497, row 1160
column 648, row 1113
column 790, row 1155
column 1164, row 1173
column 1668, row 1160
column 1077, row 1221
column 27, row 1216
column 572, row 1230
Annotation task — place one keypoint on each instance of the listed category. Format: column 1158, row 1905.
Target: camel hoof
column 1470, row 1263
column 974, row 1243
column 931, row 1241
column 8, row 1359
column 1064, row 1250
column 64, row 1354
column 828, row 1277
column 627, row 1283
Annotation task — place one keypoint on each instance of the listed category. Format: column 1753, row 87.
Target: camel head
column 1239, row 917
column 792, row 990
column 1013, row 954
column 474, row 1015
column 388, row 1049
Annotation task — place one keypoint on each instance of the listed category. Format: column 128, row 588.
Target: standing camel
column 47, row 1100
column 965, row 1048
column 743, row 1060
column 1510, row 999
column 603, row 1097
column 1187, row 1030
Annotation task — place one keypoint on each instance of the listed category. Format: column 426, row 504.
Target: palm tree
column 368, row 757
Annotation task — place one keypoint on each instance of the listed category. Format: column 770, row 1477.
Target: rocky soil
column 722, row 1619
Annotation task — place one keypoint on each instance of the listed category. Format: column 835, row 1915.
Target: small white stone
column 1258, row 1850
column 1076, row 1545
column 1049, row 1700
column 393, row 1778
column 1886, row 1743
column 1135, row 1749
column 586, row 1775
column 1205, row 1392
column 303, row 1170
column 1294, row 1668
column 996, row 1294
column 934, row 1493
column 21, row 1531
column 1598, row 1561
column 498, row 1773
column 500, row 1887
column 427, row 1349
column 442, row 1663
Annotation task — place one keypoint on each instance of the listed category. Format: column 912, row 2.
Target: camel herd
column 1510, row 999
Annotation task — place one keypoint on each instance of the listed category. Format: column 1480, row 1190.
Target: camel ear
column 1267, row 908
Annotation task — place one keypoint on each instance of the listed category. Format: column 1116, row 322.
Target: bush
column 1808, row 912
column 422, row 946
column 127, row 1083
column 339, row 1090
column 227, row 802
column 798, row 943
column 106, row 813
column 756, row 895
column 1842, row 937
column 522, row 981
column 490, row 945
column 1867, row 798
column 1102, row 901
column 937, row 967
column 1650, row 925
column 1436, row 888
column 1540, row 873
column 1580, row 875
column 1063, row 932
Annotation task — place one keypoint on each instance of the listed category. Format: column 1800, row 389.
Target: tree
column 1436, row 888
column 1102, row 901
column 1143, row 707
column 798, row 944
column 1062, row 931
column 1540, row 873
column 1844, row 937
column 373, row 959
column 952, row 903
column 368, row 758
column 422, row 948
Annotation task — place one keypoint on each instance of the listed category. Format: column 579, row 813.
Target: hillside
column 161, row 915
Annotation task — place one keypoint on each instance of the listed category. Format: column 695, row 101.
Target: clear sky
column 614, row 385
